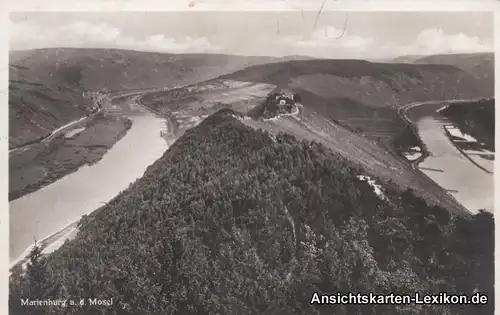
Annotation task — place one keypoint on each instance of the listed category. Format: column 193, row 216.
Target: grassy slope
column 41, row 103
column 46, row 85
column 230, row 221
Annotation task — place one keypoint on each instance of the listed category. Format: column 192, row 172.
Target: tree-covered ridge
column 276, row 103
column 233, row 221
column 476, row 119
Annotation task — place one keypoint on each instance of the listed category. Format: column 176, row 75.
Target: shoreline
column 402, row 113
column 448, row 135
column 60, row 236
column 423, row 149
column 94, row 112
column 425, row 153
column 46, row 242
column 68, row 168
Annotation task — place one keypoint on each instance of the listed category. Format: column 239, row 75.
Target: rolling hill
column 233, row 220
column 46, row 86
column 363, row 96
column 40, row 104
column 350, row 106
column 252, row 216
column 395, row 84
column 406, row 59
column 480, row 65
column 360, row 95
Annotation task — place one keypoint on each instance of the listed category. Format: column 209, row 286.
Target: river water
column 472, row 186
column 53, row 207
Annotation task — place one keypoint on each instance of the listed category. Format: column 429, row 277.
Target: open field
column 186, row 106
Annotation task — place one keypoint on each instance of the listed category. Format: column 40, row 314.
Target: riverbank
column 97, row 108
column 424, row 153
column 44, row 163
column 464, row 153
column 402, row 111
column 60, row 206
column 443, row 160
column 475, row 119
column 49, row 244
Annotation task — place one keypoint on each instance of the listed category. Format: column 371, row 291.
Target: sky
column 371, row 35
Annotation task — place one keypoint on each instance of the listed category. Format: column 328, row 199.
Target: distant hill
column 361, row 95
column 46, row 85
column 232, row 220
column 109, row 69
column 406, row 58
column 338, row 78
column 480, row 65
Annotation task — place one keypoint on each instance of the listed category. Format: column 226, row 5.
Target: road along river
column 51, row 208
column 464, row 174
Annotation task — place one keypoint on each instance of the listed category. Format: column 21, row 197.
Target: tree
column 16, row 286
column 41, row 283
column 297, row 98
column 229, row 221
column 36, row 272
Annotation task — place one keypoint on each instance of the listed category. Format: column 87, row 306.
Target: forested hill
column 233, row 221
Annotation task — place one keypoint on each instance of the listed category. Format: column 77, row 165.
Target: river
column 53, row 207
column 469, row 184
